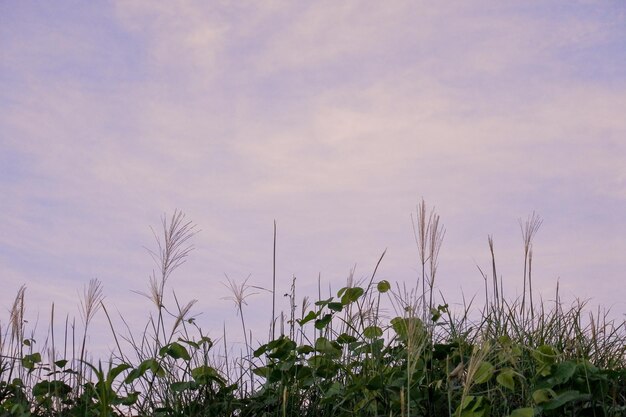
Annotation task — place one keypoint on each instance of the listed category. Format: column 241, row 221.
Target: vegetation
column 337, row 356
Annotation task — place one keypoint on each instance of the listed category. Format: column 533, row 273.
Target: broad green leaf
column 372, row 332
column 175, row 350
column 375, row 383
column 281, row 348
column 545, row 354
column 155, row 367
column 351, row 295
column 323, row 322
column 29, row 361
column 543, row 395
column 345, row 338
column 587, row 367
column 383, row 286
column 311, row 315
column 334, row 390
column 523, row 412
column 53, row 388
column 189, row 342
column 504, row 340
column 263, row 371
column 205, row 340
column 130, row 399
column 183, row 386
column 61, row 363
column 408, row 327
column 305, row 349
column 114, row 372
column 327, row 347
column 17, row 382
column 260, row 350
column 466, row 402
column 505, row 378
column 435, row 314
column 205, row 374
column 475, row 407
column 148, row 364
column 324, row 302
column 337, row 307
column 286, row 366
column 483, row 373
column 564, row 398
column 323, row 366
column 563, row 372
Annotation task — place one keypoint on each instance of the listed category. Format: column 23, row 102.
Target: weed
column 343, row 355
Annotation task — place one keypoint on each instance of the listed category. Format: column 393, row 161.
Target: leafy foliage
column 341, row 357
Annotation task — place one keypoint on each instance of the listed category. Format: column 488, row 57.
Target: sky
column 333, row 119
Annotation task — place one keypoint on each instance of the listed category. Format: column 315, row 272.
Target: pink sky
column 332, row 118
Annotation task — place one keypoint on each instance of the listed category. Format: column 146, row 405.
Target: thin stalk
column 274, row 286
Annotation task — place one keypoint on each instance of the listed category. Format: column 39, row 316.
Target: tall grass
column 369, row 349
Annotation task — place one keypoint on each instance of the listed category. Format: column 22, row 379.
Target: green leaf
column 565, row 397
column 310, row 316
column 148, row 364
column 466, row 402
column 337, row 307
column 305, row 349
column 435, row 314
column 504, row 340
column 205, row 374
column 406, row 327
column 54, row 388
column 545, row 355
column 563, row 373
column 61, row 363
column 344, row 338
column 114, row 372
column 29, row 361
column 175, row 350
column 375, row 383
column 336, row 389
column 323, row 322
column 543, row 395
column 183, row 386
column 523, row 412
column 191, row 343
column 261, row 350
column 205, row 340
column 483, row 373
column 473, row 407
column 351, row 295
column 130, row 399
column 372, row 332
column 262, row 371
column 383, row 286
column 156, row 367
column 327, row 347
column 505, row 378
column 322, row 303
column 281, row 348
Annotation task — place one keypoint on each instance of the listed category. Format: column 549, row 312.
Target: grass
column 344, row 355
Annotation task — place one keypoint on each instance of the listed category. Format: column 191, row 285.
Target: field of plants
column 336, row 356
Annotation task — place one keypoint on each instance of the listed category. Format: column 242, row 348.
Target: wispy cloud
column 332, row 119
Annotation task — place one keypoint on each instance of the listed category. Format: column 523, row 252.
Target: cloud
column 332, row 119
column 178, row 35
